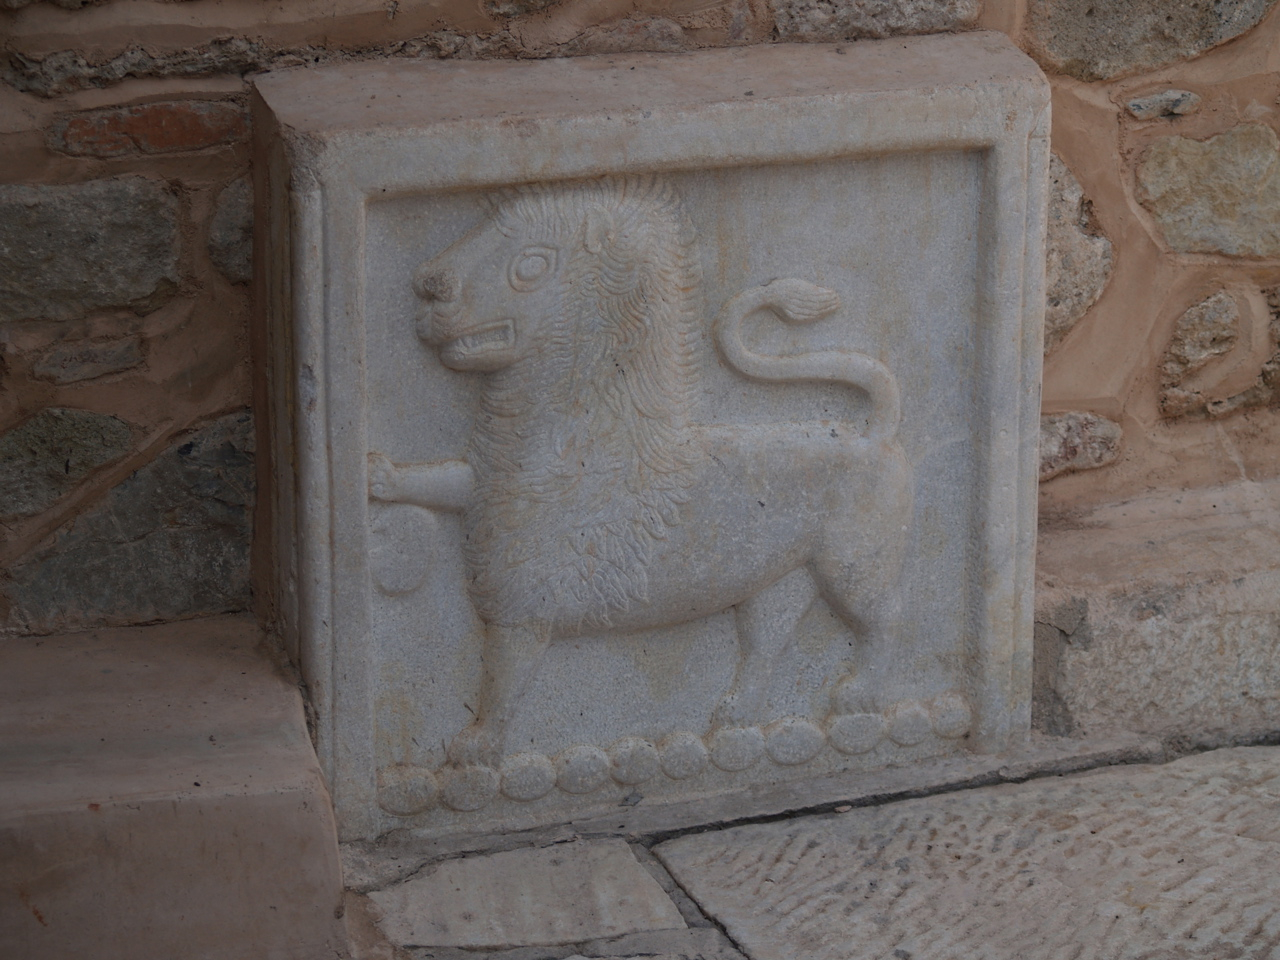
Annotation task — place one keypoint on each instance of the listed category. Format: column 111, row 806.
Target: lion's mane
column 582, row 450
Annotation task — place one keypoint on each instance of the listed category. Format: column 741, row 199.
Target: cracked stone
column 1077, row 255
column 69, row 249
column 1102, row 39
column 231, row 231
column 822, row 20
column 1220, row 195
column 46, row 456
column 1076, row 441
column 171, row 541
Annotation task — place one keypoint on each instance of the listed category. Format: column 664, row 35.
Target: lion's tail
column 797, row 301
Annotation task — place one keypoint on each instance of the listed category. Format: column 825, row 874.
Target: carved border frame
column 316, row 189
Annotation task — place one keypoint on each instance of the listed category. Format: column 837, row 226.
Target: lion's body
column 598, row 503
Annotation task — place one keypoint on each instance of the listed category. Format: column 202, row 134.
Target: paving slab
column 566, row 893
column 1174, row 861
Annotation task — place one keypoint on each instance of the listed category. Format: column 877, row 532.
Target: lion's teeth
column 484, row 337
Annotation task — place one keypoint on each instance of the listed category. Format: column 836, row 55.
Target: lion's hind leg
column 510, row 660
column 859, row 566
column 766, row 625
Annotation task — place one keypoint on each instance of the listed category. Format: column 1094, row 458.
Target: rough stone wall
column 124, row 265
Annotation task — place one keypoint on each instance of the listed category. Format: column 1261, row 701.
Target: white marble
column 566, row 893
column 652, row 427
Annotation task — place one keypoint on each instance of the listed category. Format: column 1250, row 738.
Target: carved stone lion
column 591, row 500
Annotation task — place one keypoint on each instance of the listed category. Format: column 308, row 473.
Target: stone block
column 1207, row 331
column 231, row 231
column 47, row 455
column 825, row 20
column 67, row 250
column 1161, row 615
column 1174, row 860
column 1220, row 195
column 567, row 893
column 1101, row 39
column 167, row 126
column 1077, row 256
column 1167, row 103
column 1078, row 440
column 87, row 359
column 171, row 541
column 628, row 399
column 161, row 799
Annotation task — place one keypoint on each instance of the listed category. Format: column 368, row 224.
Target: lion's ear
column 599, row 228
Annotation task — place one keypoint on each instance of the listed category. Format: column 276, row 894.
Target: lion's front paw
column 475, row 745
column 383, row 478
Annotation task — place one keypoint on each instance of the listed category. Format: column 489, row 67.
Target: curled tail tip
column 802, row 302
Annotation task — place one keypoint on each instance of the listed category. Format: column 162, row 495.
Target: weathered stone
column 1169, row 103
column 1144, row 861
column 1265, row 388
column 87, row 359
column 516, row 8
column 171, row 541
column 170, row 126
column 231, row 231
column 69, row 249
column 647, row 573
column 1182, row 591
column 47, row 455
column 566, row 893
column 822, row 20
column 1101, row 39
column 1206, row 331
column 1076, row 441
column 65, row 71
column 1220, row 195
column 1077, row 255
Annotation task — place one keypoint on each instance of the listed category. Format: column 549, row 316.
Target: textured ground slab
column 562, row 894
column 1173, row 862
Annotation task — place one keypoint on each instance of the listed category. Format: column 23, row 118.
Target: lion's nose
column 436, row 286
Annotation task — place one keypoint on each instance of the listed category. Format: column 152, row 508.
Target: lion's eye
column 531, row 266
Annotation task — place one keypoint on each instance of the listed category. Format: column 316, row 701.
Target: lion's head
column 580, row 299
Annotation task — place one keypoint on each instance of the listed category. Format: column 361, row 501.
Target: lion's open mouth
column 499, row 334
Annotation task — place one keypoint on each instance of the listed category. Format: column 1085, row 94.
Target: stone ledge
column 161, row 799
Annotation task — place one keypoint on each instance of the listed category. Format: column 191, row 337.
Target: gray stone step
column 1180, row 860
column 161, row 798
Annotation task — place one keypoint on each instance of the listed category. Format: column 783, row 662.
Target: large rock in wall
column 69, row 249
column 171, row 541
column 1102, row 39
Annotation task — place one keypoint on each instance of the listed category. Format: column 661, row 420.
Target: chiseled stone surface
column 161, row 799
column 1220, row 195
column 48, row 454
column 565, row 893
column 1077, row 440
column 682, row 463
column 1136, row 862
column 856, row 19
column 1077, row 255
column 1205, row 332
column 1101, row 39
column 171, row 541
column 1162, row 615
column 68, row 249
